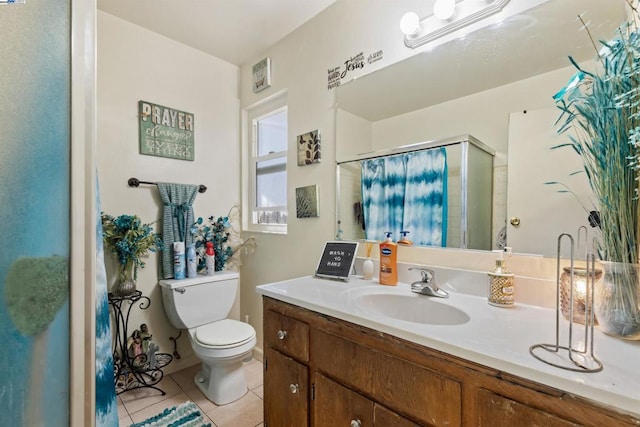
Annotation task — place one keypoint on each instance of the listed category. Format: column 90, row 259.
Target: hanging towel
column 177, row 219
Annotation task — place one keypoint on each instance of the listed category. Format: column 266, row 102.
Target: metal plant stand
column 139, row 370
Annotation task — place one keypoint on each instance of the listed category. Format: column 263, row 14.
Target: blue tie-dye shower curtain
column 406, row 192
column 106, row 406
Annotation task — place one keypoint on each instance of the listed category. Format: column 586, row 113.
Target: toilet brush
column 35, row 290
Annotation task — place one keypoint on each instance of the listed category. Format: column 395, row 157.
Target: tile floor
column 137, row 405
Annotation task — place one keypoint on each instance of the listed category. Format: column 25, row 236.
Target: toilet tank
column 196, row 301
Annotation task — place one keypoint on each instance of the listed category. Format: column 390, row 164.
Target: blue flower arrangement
column 129, row 239
column 214, row 230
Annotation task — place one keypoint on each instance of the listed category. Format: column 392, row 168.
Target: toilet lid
column 224, row 333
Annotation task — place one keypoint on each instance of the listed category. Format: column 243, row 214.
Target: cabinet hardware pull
column 356, row 423
column 294, row 388
column 282, row 334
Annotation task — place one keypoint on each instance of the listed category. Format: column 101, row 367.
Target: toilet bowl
column 201, row 305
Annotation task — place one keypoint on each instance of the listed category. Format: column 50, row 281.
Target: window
column 268, row 167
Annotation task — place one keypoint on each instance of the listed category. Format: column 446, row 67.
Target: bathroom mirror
column 496, row 84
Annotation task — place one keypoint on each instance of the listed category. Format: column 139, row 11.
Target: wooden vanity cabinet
column 286, row 382
column 286, row 374
column 321, row 371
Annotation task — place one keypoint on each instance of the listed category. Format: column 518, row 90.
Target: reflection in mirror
column 438, row 192
column 496, row 84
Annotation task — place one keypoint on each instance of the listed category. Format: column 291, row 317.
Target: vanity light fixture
column 448, row 16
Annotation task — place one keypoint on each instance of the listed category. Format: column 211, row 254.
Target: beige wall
column 300, row 63
column 135, row 64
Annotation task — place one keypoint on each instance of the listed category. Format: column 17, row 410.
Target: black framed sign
column 337, row 260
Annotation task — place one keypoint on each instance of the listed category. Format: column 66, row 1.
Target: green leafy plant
column 129, row 239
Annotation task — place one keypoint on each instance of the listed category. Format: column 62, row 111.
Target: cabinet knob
column 356, row 423
column 282, row 334
column 294, row 388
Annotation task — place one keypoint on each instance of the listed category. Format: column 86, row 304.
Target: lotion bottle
column 210, row 259
column 501, row 281
column 388, row 261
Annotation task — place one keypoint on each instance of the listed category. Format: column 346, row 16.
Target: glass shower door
column 34, row 212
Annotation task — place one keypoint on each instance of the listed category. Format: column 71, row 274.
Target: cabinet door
column 498, row 411
column 383, row 417
column 286, row 391
column 337, row 406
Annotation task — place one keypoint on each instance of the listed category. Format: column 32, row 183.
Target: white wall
column 135, row 64
column 485, row 115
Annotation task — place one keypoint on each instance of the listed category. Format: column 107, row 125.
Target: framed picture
column 261, row 75
column 308, row 148
column 307, row 202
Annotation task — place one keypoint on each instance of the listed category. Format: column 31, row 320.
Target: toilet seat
column 223, row 334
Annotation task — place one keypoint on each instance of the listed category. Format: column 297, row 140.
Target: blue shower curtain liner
column 407, row 192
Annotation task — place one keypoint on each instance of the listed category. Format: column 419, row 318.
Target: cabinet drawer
column 383, row 417
column 498, row 411
column 409, row 389
column 287, row 335
column 335, row 405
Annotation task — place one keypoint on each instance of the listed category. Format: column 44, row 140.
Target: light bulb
column 444, row 9
column 410, row 23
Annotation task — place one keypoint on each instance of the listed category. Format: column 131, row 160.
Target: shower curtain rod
column 135, row 182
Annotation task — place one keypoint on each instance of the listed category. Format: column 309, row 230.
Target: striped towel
column 186, row 414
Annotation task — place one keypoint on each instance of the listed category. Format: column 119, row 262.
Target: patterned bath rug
column 186, row 414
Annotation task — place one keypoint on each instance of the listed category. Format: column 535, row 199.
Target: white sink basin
column 412, row 308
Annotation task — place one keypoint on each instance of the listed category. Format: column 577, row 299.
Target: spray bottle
column 210, row 259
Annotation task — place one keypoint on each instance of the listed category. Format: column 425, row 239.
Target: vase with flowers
column 600, row 112
column 129, row 240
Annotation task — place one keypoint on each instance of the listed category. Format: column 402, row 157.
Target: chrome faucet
column 427, row 286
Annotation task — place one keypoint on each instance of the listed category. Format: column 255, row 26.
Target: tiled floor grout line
column 179, row 380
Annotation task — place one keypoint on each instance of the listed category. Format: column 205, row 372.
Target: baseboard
column 258, row 354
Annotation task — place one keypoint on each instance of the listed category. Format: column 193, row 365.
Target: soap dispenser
column 404, row 240
column 501, row 282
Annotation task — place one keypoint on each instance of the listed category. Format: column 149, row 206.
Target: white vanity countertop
column 495, row 337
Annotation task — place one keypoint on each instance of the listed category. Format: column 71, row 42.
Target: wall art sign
column 336, row 261
column 308, row 148
column 307, row 205
column 337, row 74
column 261, row 75
column 165, row 132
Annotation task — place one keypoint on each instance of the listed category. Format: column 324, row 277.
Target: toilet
column 201, row 305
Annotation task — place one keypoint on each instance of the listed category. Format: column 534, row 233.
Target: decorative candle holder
column 577, row 357
column 576, row 280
